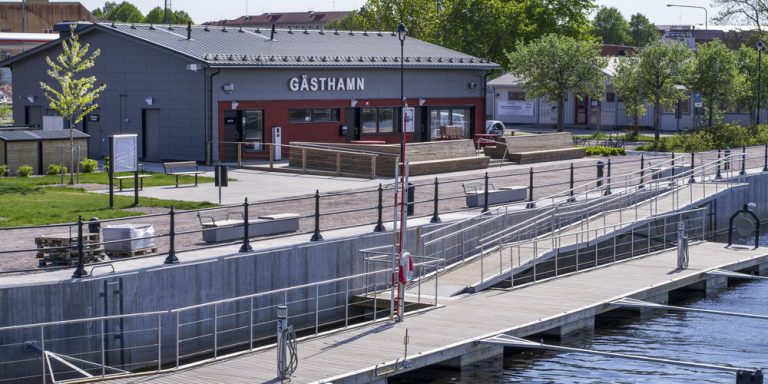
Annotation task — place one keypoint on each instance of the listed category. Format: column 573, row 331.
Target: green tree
column 626, row 83
column 746, row 84
column 101, row 13
column 75, row 95
column 157, row 16
column 611, row 27
column 663, row 67
column 562, row 17
column 554, row 66
column 744, row 12
column 641, row 31
column 125, row 12
column 714, row 76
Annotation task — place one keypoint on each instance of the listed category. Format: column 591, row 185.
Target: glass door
column 253, row 130
column 582, row 109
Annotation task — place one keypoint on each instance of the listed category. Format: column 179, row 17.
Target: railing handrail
column 313, row 147
column 82, row 320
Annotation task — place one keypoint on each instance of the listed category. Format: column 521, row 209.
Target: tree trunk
column 656, row 117
column 710, row 114
column 560, row 114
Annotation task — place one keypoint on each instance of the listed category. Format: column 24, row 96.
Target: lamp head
column 760, row 45
column 401, row 31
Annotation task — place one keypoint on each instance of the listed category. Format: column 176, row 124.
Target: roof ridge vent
column 206, row 29
column 379, row 33
column 170, row 27
column 351, row 33
column 133, row 26
column 258, row 30
column 290, row 30
column 151, row 27
column 224, row 29
column 324, row 59
column 113, row 25
column 365, row 33
column 336, row 32
column 322, row 32
column 241, row 29
column 306, row 32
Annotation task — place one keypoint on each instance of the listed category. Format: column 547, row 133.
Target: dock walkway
column 356, row 355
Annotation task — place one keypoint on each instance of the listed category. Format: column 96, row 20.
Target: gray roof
column 252, row 47
column 55, row 134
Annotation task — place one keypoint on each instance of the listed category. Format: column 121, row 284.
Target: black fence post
column 485, row 194
column 435, row 217
column 530, row 204
column 608, row 184
column 765, row 159
column 727, row 155
column 571, row 193
column 246, row 247
column 80, row 271
column 692, row 180
column 380, row 221
column 642, row 172
column 171, row 258
column 673, row 167
column 317, row 236
column 743, row 161
column 719, row 174
column 600, row 173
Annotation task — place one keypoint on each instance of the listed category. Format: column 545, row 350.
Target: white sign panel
column 515, row 108
column 409, row 117
column 314, row 84
column 126, row 153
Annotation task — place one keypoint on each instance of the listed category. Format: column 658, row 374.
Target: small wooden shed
column 39, row 148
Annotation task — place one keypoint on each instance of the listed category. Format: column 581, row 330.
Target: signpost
column 697, row 100
column 221, row 178
column 124, row 157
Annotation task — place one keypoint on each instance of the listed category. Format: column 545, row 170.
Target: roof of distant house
column 253, row 47
column 34, row 135
column 284, row 18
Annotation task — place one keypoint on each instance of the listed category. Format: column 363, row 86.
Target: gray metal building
column 190, row 91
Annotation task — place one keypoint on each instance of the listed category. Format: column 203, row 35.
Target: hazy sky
column 202, row 11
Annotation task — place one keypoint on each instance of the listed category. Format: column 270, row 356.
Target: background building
column 285, row 20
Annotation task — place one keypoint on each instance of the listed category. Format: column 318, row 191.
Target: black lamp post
column 401, row 33
column 760, row 47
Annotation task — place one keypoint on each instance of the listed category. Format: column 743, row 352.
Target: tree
column 125, row 12
column 714, row 77
column 746, row 85
column 157, row 16
column 641, row 31
column 101, row 13
column 611, row 27
column 746, row 12
column 75, row 96
column 663, row 67
column 626, row 83
column 554, row 66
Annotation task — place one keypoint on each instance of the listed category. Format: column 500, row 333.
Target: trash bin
column 411, row 198
column 94, row 225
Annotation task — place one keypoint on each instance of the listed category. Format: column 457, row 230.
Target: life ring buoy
column 405, row 273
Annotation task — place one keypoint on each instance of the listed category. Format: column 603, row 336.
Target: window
column 515, row 95
column 313, row 115
column 610, row 97
column 377, row 120
column 450, row 123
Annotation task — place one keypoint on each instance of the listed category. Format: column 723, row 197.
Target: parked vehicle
column 495, row 127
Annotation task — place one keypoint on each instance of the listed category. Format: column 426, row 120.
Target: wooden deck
column 492, row 267
column 354, row 355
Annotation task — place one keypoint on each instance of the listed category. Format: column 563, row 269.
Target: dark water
column 704, row 338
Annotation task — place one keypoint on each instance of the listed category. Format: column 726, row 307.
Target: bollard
column 316, row 236
column 485, row 194
column 380, row 221
column 411, row 207
column 765, row 159
column 727, row 155
column 692, row 180
column 246, row 247
column 642, row 172
column 743, row 161
column 608, row 184
column 530, row 204
column 673, row 167
column 80, row 271
column 571, row 198
column 600, row 173
column 171, row 258
column 719, row 175
column 435, row 217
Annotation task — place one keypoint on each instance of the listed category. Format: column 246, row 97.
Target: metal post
column 80, row 271
column 765, row 159
column 760, row 46
column 435, row 217
column 172, row 259
column 571, row 198
column 673, row 167
column 727, row 155
column 380, row 222
column 743, row 161
column 316, row 236
column 692, row 180
column 530, row 204
column 600, row 170
column 642, row 172
column 608, row 184
column 485, row 194
column 719, row 175
column 246, row 247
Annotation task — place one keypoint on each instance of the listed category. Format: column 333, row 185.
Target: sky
column 202, row 11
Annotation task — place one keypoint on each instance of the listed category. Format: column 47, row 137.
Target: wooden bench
column 180, row 168
column 222, row 225
column 528, row 149
column 120, row 179
column 475, row 194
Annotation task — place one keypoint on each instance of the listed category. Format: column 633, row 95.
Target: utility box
column 136, row 236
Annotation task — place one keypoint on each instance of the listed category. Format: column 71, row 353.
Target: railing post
column 338, row 163
column 380, row 222
column 172, row 259
column 317, row 236
column 571, row 198
column 80, row 271
column 765, row 159
column 743, row 161
column 608, row 184
column 530, row 204
column 239, row 155
column 719, row 175
column 727, row 155
column 303, row 160
column 673, row 167
column 642, row 172
column 600, row 173
column 271, row 156
column 373, row 167
column 435, row 217
column 692, row 180
column 246, row 247
column 485, row 194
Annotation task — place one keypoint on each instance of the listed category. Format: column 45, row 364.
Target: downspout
column 209, row 133
column 485, row 98
column 23, row 16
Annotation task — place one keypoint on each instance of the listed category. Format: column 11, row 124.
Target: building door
column 33, row 116
column 582, row 109
column 351, row 117
column 92, row 127
column 150, row 135
column 227, row 146
column 252, row 130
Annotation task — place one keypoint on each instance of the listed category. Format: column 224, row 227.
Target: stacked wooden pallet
column 63, row 249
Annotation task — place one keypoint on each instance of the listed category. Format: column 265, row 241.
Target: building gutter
column 209, row 132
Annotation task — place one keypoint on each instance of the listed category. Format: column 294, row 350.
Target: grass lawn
column 157, row 179
column 22, row 204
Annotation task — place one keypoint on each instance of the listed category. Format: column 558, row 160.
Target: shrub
column 605, row 151
column 55, row 169
column 106, row 163
column 3, row 170
column 88, row 165
column 24, row 171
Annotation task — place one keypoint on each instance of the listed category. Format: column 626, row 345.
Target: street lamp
column 760, row 47
column 706, row 14
column 401, row 34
